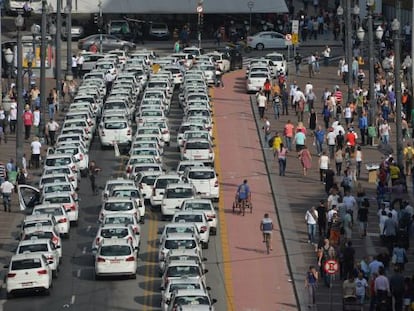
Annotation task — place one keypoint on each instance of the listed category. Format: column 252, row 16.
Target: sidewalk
column 294, row 194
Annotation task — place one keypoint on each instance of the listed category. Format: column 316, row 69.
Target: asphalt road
column 76, row 287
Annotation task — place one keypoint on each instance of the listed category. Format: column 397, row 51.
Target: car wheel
column 55, row 274
column 47, row 291
column 133, row 276
column 9, row 295
column 66, row 235
column 260, row 46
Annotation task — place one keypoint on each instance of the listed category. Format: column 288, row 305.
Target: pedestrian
column 51, row 105
column 12, row 117
column 93, row 172
column 390, row 232
column 358, row 161
column 74, row 66
column 311, row 284
column 6, row 189
column 321, row 212
column 285, row 101
column 361, row 287
column 385, row 131
column 326, row 252
column 349, row 287
column 348, row 259
column 300, row 139
column 408, row 158
column 363, row 127
column 329, row 180
column 339, row 157
column 311, row 65
column 276, row 142
column 36, row 121
column 347, row 225
column 331, row 141
column 326, row 55
column 267, row 89
column 319, row 138
column 363, row 217
column 28, row 119
column 397, row 288
column 323, row 166
column 299, row 102
column 298, row 61
column 288, row 135
column 52, row 126
column 79, row 62
column 36, row 149
column 266, row 130
column 109, row 79
column 261, row 103
column 281, row 156
column 399, row 256
column 305, row 159
column 177, row 46
column 277, row 105
column 311, row 218
column 219, row 77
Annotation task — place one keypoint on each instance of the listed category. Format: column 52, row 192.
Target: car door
column 279, row 41
column 28, row 196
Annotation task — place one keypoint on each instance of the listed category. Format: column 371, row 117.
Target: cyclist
column 266, row 226
column 243, row 192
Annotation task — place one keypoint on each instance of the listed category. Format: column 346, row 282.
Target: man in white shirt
column 293, row 88
column 326, row 55
column 308, row 88
column 79, row 62
column 323, row 166
column 52, row 127
column 311, row 218
column 75, row 66
column 36, row 121
column 109, row 79
column 331, row 142
column 6, row 189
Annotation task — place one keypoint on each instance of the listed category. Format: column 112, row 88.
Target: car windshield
column 125, row 193
column 114, row 233
column 179, row 230
column 198, row 206
column 58, row 200
column 115, row 125
column 180, row 244
column 148, row 180
column 179, row 193
column 115, row 250
column 174, row 287
column 146, row 168
column 39, row 235
column 201, row 175
column 177, row 271
column 58, row 188
column 148, row 131
column 38, row 223
column 50, row 180
column 191, row 300
column 188, row 218
column 60, row 170
column 24, row 264
column 72, row 151
column 163, row 182
column 276, row 58
column 118, row 220
column 33, row 248
column 50, row 211
column 118, row 206
column 141, row 160
column 58, row 161
column 197, row 145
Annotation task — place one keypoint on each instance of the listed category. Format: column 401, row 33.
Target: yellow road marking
column 228, row 280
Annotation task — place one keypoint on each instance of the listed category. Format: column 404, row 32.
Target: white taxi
column 69, row 203
column 174, row 195
column 118, row 231
column 118, row 205
column 44, row 232
column 159, row 187
column 206, row 206
column 133, row 193
column 199, row 219
column 205, row 181
column 59, row 213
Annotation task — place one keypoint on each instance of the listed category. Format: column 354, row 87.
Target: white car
column 118, row 205
column 115, row 257
column 267, row 40
column 115, row 131
column 205, row 181
column 183, row 165
column 178, row 241
column 174, row 195
column 221, row 60
column 256, row 80
column 41, row 246
column 191, row 299
column 59, row 187
column 61, row 173
column 69, row 203
column 125, row 219
column 54, row 160
column 80, row 154
column 39, row 220
column 174, row 285
column 279, row 63
column 59, row 213
column 183, row 268
column 28, row 271
column 112, row 183
column 199, row 219
column 206, row 206
column 145, row 181
column 116, row 231
column 44, row 232
column 133, row 193
column 198, row 150
column 159, row 187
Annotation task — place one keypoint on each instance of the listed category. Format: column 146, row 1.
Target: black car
column 235, row 57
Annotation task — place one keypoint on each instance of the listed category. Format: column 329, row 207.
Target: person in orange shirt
column 288, row 134
column 351, row 138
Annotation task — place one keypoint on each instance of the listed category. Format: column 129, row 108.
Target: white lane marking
column 79, row 273
column 72, row 300
column 84, row 250
column 2, row 302
column 88, row 228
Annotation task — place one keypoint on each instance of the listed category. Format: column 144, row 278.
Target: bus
column 17, row 6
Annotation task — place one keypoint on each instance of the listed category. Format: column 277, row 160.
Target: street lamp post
column 348, row 44
column 43, row 30
column 29, row 57
column 8, row 57
column 57, row 45
column 371, row 78
column 68, row 12
column 19, row 21
column 395, row 26
column 250, row 5
column 200, row 20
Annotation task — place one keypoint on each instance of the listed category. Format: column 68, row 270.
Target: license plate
column 196, row 156
column 115, row 261
column 27, row 284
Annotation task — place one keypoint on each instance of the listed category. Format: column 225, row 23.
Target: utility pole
column 43, row 69
column 372, row 100
column 58, row 47
column 68, row 12
column 100, row 25
column 348, row 44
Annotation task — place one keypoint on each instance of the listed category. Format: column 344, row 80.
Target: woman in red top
column 27, row 121
column 267, row 88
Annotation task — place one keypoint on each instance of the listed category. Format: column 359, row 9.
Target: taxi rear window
column 26, row 264
column 115, row 250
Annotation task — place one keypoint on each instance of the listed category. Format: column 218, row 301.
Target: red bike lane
column 258, row 281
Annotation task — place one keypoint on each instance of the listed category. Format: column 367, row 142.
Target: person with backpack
column 277, row 100
column 325, row 253
column 298, row 61
column 408, row 157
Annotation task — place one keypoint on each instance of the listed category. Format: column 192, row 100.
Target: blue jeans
column 319, row 146
column 282, row 167
column 276, row 110
column 51, row 111
column 288, row 143
column 311, row 232
column 331, row 151
column 385, row 139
